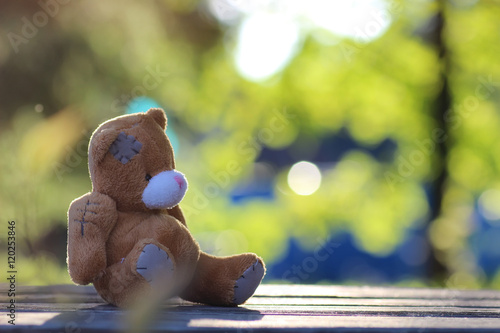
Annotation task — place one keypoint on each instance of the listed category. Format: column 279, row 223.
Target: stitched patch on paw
column 245, row 286
column 155, row 265
column 125, row 147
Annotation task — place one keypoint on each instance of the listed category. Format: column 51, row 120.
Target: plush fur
column 112, row 233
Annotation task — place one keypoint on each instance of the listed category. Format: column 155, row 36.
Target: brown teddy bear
column 129, row 237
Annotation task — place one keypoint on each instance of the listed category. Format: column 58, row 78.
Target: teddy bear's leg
column 227, row 281
column 149, row 266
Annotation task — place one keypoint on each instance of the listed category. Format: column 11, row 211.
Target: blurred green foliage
column 86, row 64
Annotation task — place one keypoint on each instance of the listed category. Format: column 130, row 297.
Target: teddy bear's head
column 132, row 161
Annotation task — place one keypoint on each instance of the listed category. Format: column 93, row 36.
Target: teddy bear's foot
column 245, row 286
column 155, row 265
column 225, row 281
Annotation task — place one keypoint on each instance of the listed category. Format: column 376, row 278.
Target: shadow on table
column 183, row 318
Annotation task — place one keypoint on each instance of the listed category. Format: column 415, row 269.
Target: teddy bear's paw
column 249, row 281
column 155, row 265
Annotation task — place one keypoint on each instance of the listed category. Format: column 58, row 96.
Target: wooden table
column 290, row 308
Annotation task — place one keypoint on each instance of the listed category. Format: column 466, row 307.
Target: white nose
column 165, row 190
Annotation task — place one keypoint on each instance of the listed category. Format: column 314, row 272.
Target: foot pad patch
column 155, row 265
column 245, row 286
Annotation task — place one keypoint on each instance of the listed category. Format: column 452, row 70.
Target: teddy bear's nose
column 179, row 180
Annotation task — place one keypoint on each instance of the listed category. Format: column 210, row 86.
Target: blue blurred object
column 142, row 104
column 260, row 185
column 337, row 258
column 330, row 148
column 484, row 243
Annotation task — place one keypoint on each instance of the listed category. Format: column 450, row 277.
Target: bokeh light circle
column 304, row 178
column 489, row 206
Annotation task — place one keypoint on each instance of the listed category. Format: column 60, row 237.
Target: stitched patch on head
column 125, row 147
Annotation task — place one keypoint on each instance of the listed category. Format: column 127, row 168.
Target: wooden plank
column 234, row 321
column 375, row 302
column 319, row 293
column 292, row 301
column 69, row 308
column 296, row 310
column 276, row 290
column 270, row 290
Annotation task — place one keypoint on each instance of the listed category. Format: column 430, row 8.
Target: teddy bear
column 128, row 236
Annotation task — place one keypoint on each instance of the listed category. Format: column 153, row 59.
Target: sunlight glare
column 269, row 38
column 304, row 178
column 362, row 20
column 266, row 43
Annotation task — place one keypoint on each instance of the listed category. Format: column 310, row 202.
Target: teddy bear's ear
column 159, row 116
column 100, row 143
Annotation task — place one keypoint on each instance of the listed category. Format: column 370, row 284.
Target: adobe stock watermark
column 247, row 148
column 380, row 20
column 300, row 273
column 78, row 154
column 74, row 157
column 31, row 26
column 406, row 165
column 151, row 80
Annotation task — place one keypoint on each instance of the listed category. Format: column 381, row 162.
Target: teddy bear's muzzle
column 165, row 190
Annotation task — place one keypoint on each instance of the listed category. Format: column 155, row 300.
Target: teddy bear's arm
column 177, row 213
column 90, row 220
